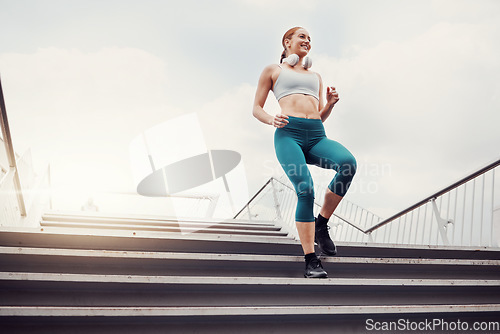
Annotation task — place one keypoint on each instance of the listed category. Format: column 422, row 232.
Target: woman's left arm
column 332, row 97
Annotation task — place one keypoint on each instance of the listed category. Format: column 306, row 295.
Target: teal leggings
column 303, row 141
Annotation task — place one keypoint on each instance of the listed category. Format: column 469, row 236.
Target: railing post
column 493, row 242
column 442, row 223
column 211, row 207
column 50, row 187
column 370, row 237
column 276, row 202
column 4, row 123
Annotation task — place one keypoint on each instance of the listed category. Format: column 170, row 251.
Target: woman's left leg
column 330, row 203
column 330, row 154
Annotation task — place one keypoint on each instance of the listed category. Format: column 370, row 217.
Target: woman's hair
column 287, row 35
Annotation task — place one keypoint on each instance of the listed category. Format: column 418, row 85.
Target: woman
column 300, row 139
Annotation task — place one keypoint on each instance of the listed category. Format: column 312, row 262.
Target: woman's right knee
column 305, row 202
column 305, row 191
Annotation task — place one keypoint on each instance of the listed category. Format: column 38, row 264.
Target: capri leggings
column 303, row 141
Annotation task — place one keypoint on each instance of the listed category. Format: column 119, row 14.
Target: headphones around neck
column 293, row 59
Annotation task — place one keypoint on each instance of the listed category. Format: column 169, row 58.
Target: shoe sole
column 327, row 254
column 323, row 252
column 319, row 276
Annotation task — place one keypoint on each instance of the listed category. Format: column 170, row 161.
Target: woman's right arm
column 263, row 88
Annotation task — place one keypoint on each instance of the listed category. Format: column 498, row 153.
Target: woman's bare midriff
column 300, row 105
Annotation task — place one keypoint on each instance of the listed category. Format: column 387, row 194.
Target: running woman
column 300, row 139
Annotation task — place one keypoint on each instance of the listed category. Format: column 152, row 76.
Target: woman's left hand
column 332, row 96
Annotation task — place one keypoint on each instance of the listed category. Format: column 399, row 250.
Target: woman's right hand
column 280, row 120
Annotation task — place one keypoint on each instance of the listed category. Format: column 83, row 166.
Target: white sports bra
column 291, row 82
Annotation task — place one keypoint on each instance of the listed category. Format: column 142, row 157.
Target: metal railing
column 21, row 203
column 12, row 174
column 432, row 197
column 464, row 213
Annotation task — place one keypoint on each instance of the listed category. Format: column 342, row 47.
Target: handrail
column 4, row 124
column 253, row 197
column 457, row 184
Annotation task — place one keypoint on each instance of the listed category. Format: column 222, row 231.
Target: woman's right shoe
column 314, row 269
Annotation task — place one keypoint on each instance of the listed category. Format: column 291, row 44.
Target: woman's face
column 300, row 43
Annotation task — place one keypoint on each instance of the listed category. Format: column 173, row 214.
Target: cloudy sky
column 418, row 83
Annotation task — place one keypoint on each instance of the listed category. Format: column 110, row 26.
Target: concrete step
column 262, row 319
column 97, row 273
column 50, row 311
column 85, row 216
column 71, row 238
column 357, row 249
column 84, row 238
column 182, row 228
column 81, row 261
column 55, row 289
column 161, row 224
column 244, row 225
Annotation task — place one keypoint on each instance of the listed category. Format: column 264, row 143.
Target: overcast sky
column 418, row 84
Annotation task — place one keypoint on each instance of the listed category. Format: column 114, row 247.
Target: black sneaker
column 322, row 238
column 314, row 269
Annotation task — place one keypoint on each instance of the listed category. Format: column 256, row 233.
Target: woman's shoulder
column 271, row 71
column 272, row 68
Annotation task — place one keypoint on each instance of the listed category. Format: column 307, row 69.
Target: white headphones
column 293, row 59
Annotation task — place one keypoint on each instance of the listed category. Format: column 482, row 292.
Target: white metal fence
column 466, row 213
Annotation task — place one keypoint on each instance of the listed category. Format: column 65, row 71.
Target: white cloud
column 425, row 105
column 79, row 111
column 466, row 10
column 282, row 4
column 106, row 79
column 420, row 88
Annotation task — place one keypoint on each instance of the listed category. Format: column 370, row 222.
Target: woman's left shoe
column 322, row 238
column 314, row 269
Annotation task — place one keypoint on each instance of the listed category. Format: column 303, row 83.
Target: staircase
column 96, row 273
